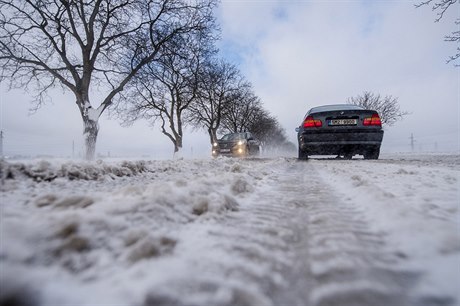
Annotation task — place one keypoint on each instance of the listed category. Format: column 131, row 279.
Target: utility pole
column 412, row 142
column 1, row 144
column 2, row 173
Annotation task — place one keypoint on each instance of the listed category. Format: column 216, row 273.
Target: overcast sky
column 297, row 55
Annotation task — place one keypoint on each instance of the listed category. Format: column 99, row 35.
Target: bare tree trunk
column 175, row 137
column 91, row 129
column 90, row 118
column 177, row 147
column 177, row 144
column 212, row 135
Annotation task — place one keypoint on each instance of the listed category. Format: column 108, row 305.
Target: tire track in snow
column 337, row 260
column 294, row 243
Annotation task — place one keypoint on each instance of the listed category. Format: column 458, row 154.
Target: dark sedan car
column 342, row 130
column 236, row 144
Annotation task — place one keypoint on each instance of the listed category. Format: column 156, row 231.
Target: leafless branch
column 441, row 7
column 387, row 107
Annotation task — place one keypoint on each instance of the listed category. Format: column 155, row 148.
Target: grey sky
column 297, row 54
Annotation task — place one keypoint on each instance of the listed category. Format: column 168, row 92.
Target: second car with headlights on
column 236, row 144
column 342, row 129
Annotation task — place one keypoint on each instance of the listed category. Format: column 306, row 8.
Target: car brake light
column 374, row 120
column 311, row 122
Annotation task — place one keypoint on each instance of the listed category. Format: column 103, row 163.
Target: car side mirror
column 297, row 129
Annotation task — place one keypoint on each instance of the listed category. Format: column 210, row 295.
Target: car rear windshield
column 326, row 108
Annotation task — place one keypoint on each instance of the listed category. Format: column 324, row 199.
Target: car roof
column 332, row 107
column 238, row 133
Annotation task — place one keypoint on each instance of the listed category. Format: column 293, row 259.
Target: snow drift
column 230, row 231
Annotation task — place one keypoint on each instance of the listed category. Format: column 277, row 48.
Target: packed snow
column 230, row 231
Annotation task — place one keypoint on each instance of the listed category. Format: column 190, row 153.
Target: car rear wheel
column 302, row 155
column 372, row 153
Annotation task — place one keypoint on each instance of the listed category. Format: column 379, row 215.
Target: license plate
column 224, row 150
column 343, row 122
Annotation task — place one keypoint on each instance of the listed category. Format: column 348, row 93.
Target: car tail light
column 311, row 122
column 374, row 120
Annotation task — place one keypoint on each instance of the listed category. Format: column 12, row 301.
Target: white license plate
column 343, row 122
column 224, row 150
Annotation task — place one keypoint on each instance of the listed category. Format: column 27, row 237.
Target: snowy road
column 268, row 231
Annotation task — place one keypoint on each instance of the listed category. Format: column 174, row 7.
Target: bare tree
column 441, row 7
column 264, row 127
column 241, row 110
column 219, row 82
column 164, row 90
column 267, row 129
column 387, row 107
column 227, row 104
column 92, row 48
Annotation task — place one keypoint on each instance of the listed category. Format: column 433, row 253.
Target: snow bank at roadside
column 44, row 170
column 100, row 227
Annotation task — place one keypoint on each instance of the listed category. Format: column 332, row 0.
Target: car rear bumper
column 337, row 141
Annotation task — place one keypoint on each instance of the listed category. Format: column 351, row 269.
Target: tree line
column 140, row 59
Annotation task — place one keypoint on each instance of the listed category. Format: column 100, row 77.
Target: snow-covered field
column 263, row 231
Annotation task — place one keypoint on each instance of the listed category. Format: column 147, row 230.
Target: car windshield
column 234, row 136
column 326, row 108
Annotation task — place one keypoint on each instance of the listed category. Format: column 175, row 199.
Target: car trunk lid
column 343, row 119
